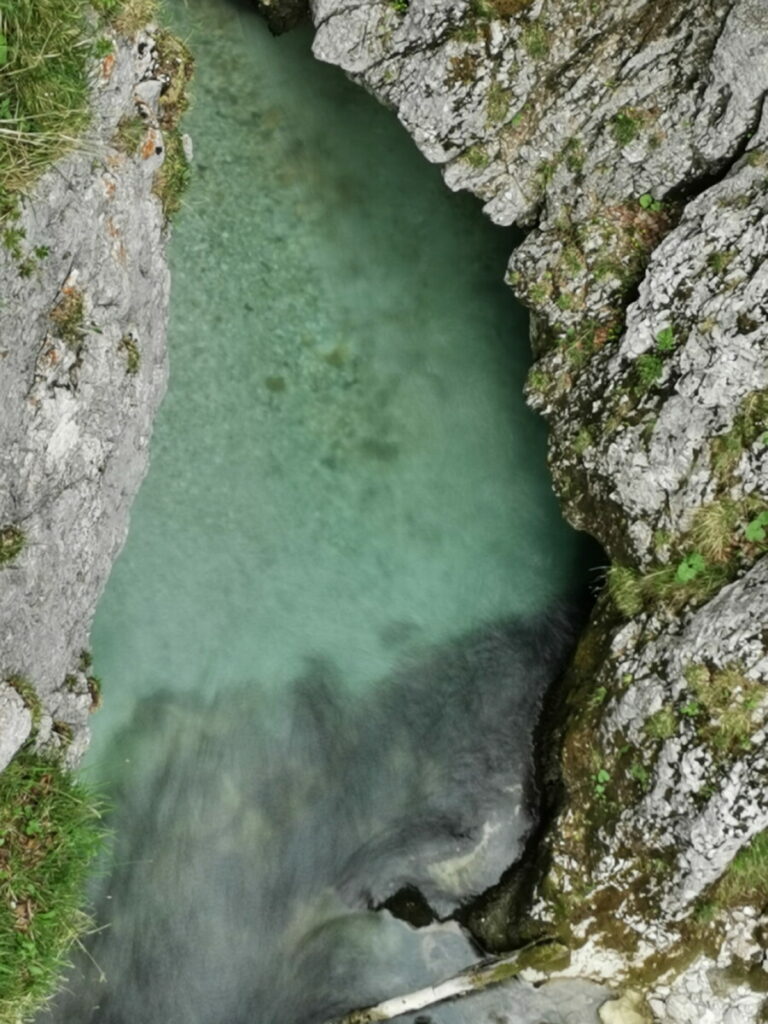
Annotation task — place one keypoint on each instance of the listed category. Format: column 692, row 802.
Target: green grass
column 535, row 39
column 28, row 694
column 746, row 880
column 50, row 832
column 172, row 178
column 626, row 126
column 47, row 48
column 43, row 86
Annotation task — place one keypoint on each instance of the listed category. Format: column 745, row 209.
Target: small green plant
column 713, row 531
column 11, row 543
column 401, row 6
column 127, row 16
column 462, row 69
column 720, row 261
column 496, row 104
column 102, row 47
column 68, row 316
column 582, row 441
column 665, row 340
column 574, row 155
column 477, row 157
column 129, row 134
column 755, row 530
column 639, row 773
column 598, row 697
column 662, row 725
column 625, row 588
column 647, row 202
column 601, row 780
column 692, row 566
column 172, row 179
column 649, row 368
column 50, row 833
column 28, row 694
column 625, row 126
column 535, row 39
column 746, row 880
column 691, row 709
column 130, row 349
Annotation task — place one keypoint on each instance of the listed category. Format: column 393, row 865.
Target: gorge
column 629, row 142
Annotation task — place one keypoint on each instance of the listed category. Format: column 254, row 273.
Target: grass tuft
column 43, row 86
column 50, row 832
column 28, row 694
column 68, row 316
column 746, row 880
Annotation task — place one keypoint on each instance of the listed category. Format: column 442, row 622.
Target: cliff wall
column 82, row 371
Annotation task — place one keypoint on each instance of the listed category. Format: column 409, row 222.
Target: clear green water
column 344, row 466
column 308, row 699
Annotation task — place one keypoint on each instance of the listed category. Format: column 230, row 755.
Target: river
column 347, row 581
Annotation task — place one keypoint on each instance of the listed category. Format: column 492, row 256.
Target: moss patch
column 11, row 543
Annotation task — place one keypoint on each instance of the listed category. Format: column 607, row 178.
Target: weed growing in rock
column 692, row 566
column 748, row 428
column 647, row 202
column 127, row 16
column 476, row 157
column 11, row 543
column 662, row 725
column 172, row 179
column 648, row 368
column 132, row 355
column 129, row 134
column 755, row 530
column 50, row 829
column 496, row 104
column 665, row 340
column 461, row 69
column 746, row 880
column 732, row 701
column 535, row 39
column 28, row 694
column 68, row 317
column 626, row 125
column 720, row 261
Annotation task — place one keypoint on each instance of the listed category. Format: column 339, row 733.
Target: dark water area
column 347, row 582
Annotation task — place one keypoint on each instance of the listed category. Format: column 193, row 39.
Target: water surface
column 347, row 580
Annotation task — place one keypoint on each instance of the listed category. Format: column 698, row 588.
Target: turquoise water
column 344, row 466
column 325, row 641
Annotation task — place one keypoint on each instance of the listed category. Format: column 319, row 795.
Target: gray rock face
column 687, row 737
column 82, row 371
column 16, row 720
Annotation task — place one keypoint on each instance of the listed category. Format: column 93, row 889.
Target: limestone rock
column 15, row 723
column 83, row 369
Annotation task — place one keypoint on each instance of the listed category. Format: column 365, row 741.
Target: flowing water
column 347, row 581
